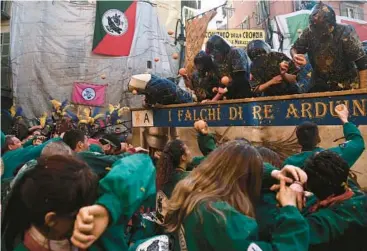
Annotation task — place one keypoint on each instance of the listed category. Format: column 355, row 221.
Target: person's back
column 339, row 218
column 308, row 137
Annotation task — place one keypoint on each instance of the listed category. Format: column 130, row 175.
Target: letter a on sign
column 142, row 118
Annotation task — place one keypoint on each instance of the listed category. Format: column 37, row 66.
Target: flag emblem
column 115, row 22
column 88, row 94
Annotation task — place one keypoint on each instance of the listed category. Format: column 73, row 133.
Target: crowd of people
column 66, row 187
column 77, row 193
column 327, row 56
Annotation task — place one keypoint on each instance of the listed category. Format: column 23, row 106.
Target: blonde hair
column 232, row 173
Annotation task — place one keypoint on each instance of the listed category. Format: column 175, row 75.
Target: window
column 5, row 61
column 188, row 12
column 352, row 10
column 303, row 5
column 5, row 10
column 245, row 23
column 350, row 13
column 262, row 11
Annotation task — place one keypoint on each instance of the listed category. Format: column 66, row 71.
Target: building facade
column 256, row 14
column 6, row 87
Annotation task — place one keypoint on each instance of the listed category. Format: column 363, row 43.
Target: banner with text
column 238, row 38
column 289, row 112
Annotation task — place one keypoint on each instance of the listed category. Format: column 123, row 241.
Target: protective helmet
column 203, row 61
column 256, row 48
column 322, row 18
column 217, row 44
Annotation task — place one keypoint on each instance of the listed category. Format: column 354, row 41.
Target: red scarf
column 332, row 200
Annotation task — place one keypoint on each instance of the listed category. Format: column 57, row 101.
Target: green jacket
column 206, row 230
column 350, row 150
column 96, row 148
column 176, row 177
column 327, row 226
column 206, row 143
column 14, row 159
column 99, row 162
column 128, row 186
column 2, row 139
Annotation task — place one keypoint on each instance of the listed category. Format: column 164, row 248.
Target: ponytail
column 170, row 159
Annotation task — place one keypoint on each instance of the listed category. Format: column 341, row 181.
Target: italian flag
column 114, row 27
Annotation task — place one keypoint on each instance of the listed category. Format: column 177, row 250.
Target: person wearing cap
column 335, row 52
column 273, row 72
column 309, row 138
column 158, row 90
column 100, row 163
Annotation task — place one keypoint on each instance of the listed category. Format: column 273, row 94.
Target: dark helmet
column 321, row 18
column 256, row 48
column 217, row 44
column 203, row 61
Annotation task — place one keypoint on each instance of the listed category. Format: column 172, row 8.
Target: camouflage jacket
column 332, row 58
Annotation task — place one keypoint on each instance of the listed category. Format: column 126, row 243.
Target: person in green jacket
column 100, row 163
column 171, row 168
column 308, row 138
column 336, row 215
column 172, row 165
column 44, row 202
column 327, row 175
column 214, row 207
column 16, row 155
column 205, row 139
column 128, row 186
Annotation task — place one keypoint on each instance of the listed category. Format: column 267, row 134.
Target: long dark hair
column 169, row 161
column 270, row 156
column 61, row 184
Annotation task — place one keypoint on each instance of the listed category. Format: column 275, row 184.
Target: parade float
column 45, row 66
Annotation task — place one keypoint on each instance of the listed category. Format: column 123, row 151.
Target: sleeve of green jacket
column 206, row 143
column 267, row 179
column 130, row 183
column 33, row 152
column 352, row 149
column 331, row 223
column 2, row 139
column 28, row 142
column 239, row 232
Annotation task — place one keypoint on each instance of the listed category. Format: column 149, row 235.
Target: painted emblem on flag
column 88, row 94
column 115, row 22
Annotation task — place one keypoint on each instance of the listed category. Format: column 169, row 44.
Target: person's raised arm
column 354, row 146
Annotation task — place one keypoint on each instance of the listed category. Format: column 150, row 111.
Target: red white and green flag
column 114, row 28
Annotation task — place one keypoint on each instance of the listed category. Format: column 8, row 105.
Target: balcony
column 5, row 10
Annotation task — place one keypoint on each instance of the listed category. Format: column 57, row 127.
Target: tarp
column 290, row 24
column 51, row 48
